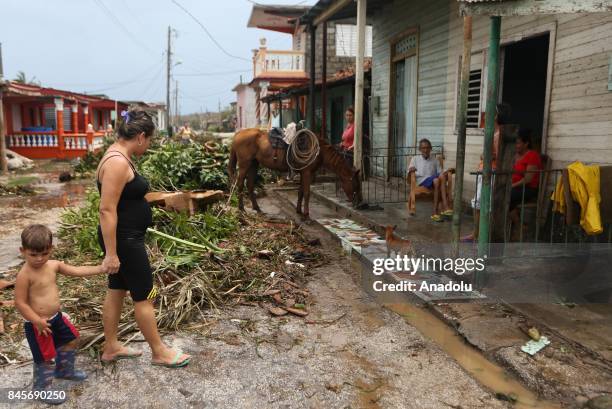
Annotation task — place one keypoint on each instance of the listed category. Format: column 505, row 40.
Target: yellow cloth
column 584, row 187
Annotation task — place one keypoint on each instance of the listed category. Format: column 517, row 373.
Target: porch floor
column 418, row 228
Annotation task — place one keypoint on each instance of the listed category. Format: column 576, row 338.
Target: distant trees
column 23, row 79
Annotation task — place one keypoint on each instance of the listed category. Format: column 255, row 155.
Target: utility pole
column 169, row 65
column 3, row 161
column 176, row 106
column 358, row 139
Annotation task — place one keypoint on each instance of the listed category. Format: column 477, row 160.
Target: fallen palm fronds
column 200, row 263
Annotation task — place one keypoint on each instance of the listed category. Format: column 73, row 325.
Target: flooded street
column 44, row 206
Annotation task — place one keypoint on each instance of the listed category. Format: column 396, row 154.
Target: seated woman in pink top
column 348, row 135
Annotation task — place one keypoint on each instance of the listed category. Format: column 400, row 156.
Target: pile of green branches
column 199, row 262
column 175, row 166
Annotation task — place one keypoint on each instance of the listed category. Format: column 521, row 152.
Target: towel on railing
column 584, row 186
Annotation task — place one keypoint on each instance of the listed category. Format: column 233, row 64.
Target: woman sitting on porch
column 525, row 177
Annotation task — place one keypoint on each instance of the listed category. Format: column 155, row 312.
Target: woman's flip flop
column 175, row 362
column 131, row 354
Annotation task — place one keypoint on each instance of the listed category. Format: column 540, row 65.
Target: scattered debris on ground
column 200, row 262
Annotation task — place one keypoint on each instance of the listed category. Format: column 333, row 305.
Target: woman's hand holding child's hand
column 111, row 264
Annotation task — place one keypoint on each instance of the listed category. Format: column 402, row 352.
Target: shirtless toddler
column 49, row 332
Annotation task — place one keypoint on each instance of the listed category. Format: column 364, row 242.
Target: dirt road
column 352, row 354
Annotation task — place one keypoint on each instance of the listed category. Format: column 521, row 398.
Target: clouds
column 117, row 46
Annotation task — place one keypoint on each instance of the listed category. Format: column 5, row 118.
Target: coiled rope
column 303, row 150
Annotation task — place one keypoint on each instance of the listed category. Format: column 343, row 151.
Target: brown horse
column 251, row 148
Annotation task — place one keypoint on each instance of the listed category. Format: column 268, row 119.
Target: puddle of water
column 56, row 195
column 484, row 371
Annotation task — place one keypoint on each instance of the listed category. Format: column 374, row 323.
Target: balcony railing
column 48, row 145
column 280, row 63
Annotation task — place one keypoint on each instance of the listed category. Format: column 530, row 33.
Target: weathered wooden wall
column 434, row 84
column 580, row 111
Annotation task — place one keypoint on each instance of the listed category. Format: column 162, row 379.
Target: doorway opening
column 524, row 77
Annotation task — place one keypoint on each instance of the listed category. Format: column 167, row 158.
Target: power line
column 112, row 85
column 149, row 84
column 205, row 74
column 208, row 33
column 118, row 23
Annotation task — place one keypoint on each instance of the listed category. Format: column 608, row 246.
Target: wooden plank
column 600, row 156
column 599, row 45
column 503, row 183
column 585, row 129
column 570, row 24
column 582, row 143
column 331, row 10
column 587, row 102
column 531, row 7
column 582, row 64
column 593, row 87
column 578, row 116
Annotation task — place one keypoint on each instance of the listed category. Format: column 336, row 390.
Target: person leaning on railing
column 525, row 177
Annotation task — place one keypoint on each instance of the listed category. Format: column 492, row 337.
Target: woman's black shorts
column 134, row 273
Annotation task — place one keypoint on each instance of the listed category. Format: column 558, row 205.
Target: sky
column 117, row 47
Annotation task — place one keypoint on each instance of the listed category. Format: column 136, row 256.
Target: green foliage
column 79, row 228
column 176, row 166
column 201, row 228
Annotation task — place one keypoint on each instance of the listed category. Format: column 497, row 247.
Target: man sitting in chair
column 426, row 174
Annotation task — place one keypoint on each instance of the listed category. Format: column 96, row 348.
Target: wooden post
column 485, row 197
column 461, row 131
column 59, row 125
column 3, row 160
column 324, row 84
column 358, row 141
column 311, row 84
column 503, row 182
column 168, row 83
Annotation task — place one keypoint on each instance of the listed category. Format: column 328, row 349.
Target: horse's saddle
column 276, row 138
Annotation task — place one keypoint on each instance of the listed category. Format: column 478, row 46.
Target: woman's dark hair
column 133, row 122
column 351, row 110
column 524, row 135
column 503, row 112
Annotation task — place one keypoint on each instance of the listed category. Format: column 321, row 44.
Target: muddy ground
column 348, row 353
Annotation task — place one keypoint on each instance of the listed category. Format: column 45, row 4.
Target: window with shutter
column 473, row 108
column 49, row 113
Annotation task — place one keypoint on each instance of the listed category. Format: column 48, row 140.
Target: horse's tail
column 231, row 166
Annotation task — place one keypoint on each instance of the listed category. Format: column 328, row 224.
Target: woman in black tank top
column 125, row 216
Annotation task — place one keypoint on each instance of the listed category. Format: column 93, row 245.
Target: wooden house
column 46, row 123
column 555, row 72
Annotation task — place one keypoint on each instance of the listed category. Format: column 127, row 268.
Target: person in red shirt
column 525, row 176
column 348, row 136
